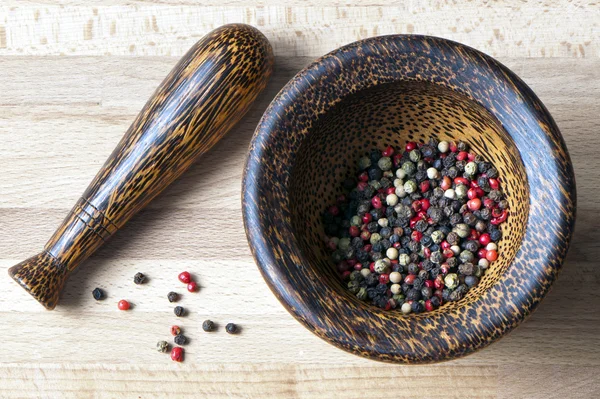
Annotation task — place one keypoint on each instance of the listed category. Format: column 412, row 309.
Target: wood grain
column 44, row 166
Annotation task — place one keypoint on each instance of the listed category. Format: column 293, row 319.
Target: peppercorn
column 179, row 311
column 466, row 268
column 185, row 277
column 123, row 305
column 231, row 328
column 362, row 293
column 471, row 281
column 177, row 354
column 139, row 278
column 180, row 339
column 162, row 346
column 98, row 294
column 175, row 330
column 417, row 307
column 451, row 280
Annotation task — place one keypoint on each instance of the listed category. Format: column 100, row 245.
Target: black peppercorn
column 421, row 225
column 452, row 262
column 381, row 288
column 471, row 281
column 208, row 325
column 472, row 246
column 173, row 296
column 423, row 275
column 470, row 219
column 466, row 269
column 492, row 173
column 372, row 280
column 503, row 204
column 231, row 328
column 485, row 214
column 180, row 339
column 495, row 235
column 426, row 292
column 98, row 294
column 455, row 219
column 435, row 301
column 413, row 268
column 375, row 173
column 413, row 294
column 139, row 278
column 417, row 307
column 414, row 246
column 179, row 311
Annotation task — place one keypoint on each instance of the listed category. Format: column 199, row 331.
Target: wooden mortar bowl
column 390, row 90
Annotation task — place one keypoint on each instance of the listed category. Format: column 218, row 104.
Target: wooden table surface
column 73, row 75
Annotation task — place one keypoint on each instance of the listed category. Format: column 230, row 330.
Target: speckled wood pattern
column 389, row 90
column 203, row 97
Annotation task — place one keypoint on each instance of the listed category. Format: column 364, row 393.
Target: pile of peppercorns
column 416, row 228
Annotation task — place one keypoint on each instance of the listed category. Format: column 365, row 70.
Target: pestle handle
column 207, row 92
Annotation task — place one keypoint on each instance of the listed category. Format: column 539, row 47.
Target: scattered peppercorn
column 98, row 294
column 173, row 296
column 177, row 354
column 179, row 311
column 139, row 278
column 180, row 339
column 175, row 330
column 192, row 286
column 231, row 328
column 185, row 277
column 417, row 228
column 162, row 346
column 208, row 325
column 123, row 305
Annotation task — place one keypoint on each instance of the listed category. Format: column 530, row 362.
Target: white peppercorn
column 391, row 199
column 375, row 238
column 403, row 259
column 406, row 308
column 383, row 222
column 491, row 246
column 433, row 173
column 365, row 272
column 380, row 266
column 443, row 146
column 450, row 193
column 471, row 168
column 392, row 253
column 400, row 191
column 396, row 288
column 395, row 278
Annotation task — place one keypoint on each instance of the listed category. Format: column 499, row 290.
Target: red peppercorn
column 494, row 184
column 439, row 294
column 473, row 204
column 367, row 248
column 461, row 180
column 397, row 159
column 426, row 252
column 474, row 235
column 428, row 305
column 363, row 177
column 484, row 239
column 394, row 261
column 491, row 255
column 362, row 185
column 472, row 193
column 489, row 203
column 367, row 218
column 177, row 354
column 375, row 201
column 388, row 151
column 444, row 269
column 453, row 147
column 409, row 279
column 474, row 184
column 429, row 283
column 365, row 236
column 346, row 275
column 175, row 330
column 358, row 266
column 123, row 305
column 354, row 231
column 341, row 199
column 471, row 157
column 430, row 221
column 411, row 145
column 341, row 267
column 192, row 286
column 414, row 221
column 185, row 277
column 448, row 253
column 446, row 183
column 416, row 236
column 445, row 245
column 388, row 305
column 439, row 282
column 397, row 245
column 381, row 191
column 384, row 278
column 500, row 219
column 391, row 190
column 416, row 205
column 334, row 210
column 482, row 253
column 425, row 204
column 372, row 267
column 461, row 156
column 424, row 186
column 421, row 214
column 332, row 245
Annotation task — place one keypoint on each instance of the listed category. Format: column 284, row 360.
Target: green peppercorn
column 353, row 286
column 409, row 168
column 362, row 293
column 461, row 191
column 414, row 155
column 356, row 276
column 364, row 163
column 437, row 236
column 162, row 346
column 344, row 244
column 462, row 230
column 385, row 163
column 436, row 257
column 403, row 259
column 410, row 186
column 375, row 238
column 451, row 281
column 375, row 184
